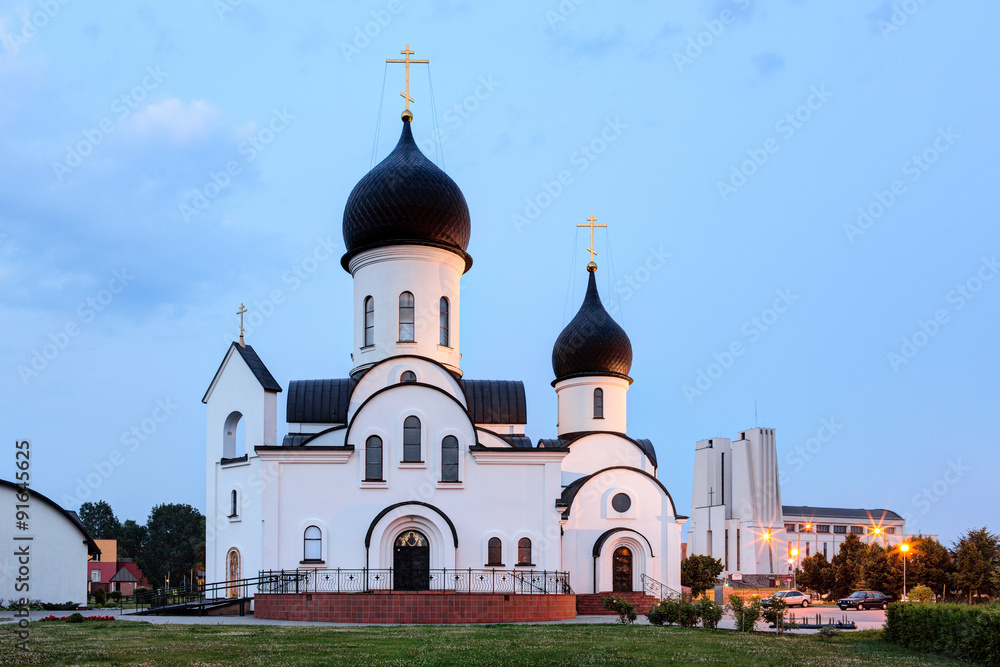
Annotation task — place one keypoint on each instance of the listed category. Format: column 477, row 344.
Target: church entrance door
column 621, row 567
column 411, row 562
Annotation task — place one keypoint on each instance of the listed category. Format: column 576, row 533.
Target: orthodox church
column 407, row 468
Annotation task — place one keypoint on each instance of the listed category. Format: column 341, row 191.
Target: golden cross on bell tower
column 240, row 313
column 407, row 114
column 590, row 249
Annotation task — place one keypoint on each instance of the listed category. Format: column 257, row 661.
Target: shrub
column 920, row 594
column 65, row 606
column 665, row 611
column 115, row 596
column 75, row 618
column 100, row 597
column 687, row 613
column 626, row 611
column 775, row 613
column 710, row 613
column 968, row 633
column 745, row 613
column 828, row 631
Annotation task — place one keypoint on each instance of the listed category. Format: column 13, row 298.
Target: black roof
column 123, row 575
column 406, row 198
column 592, row 343
column 256, row 366
column 840, row 513
column 568, row 439
column 516, row 441
column 495, row 401
column 319, row 401
column 73, row 517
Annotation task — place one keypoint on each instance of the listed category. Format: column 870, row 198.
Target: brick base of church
column 414, row 607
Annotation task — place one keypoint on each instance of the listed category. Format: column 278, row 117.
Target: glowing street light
column 904, row 547
column 795, row 566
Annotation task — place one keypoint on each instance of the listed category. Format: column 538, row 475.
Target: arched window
column 234, row 436
column 444, row 322
column 411, row 440
column 406, row 317
column 449, row 459
column 234, row 510
column 369, row 321
column 598, row 404
column 493, row 552
column 408, row 376
column 312, row 548
column 524, row 551
column 373, row 459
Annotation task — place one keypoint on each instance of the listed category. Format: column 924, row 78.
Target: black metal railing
column 654, row 588
column 365, row 580
column 218, row 591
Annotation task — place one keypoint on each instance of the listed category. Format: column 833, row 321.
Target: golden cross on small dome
column 590, row 249
column 240, row 313
column 406, row 96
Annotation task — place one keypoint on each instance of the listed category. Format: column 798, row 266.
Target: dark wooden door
column 621, row 567
column 411, row 562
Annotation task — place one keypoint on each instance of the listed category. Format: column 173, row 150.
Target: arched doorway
column 411, row 562
column 233, row 573
column 621, row 569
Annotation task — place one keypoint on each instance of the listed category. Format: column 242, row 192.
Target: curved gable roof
column 570, row 492
column 567, row 439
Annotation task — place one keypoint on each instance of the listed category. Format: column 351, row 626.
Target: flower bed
column 86, row 618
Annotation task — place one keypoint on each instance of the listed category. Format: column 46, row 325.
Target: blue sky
column 800, row 199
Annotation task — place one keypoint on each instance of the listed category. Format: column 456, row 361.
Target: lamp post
column 794, row 560
column 904, row 547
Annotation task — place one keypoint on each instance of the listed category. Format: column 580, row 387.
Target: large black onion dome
column 406, row 199
column 592, row 343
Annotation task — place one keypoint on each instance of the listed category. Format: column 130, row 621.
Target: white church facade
column 407, row 469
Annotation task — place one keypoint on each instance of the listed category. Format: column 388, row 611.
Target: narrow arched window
column 411, row 440
column 444, row 322
column 406, row 317
column 234, row 504
column 449, row 459
column 369, row 321
column 598, row 404
column 373, row 459
column 524, row 551
column 234, row 436
column 312, row 548
column 493, row 552
column 408, row 376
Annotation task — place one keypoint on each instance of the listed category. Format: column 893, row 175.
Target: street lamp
column 905, row 548
column 794, row 559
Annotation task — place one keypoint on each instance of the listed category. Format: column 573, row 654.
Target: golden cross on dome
column 240, row 313
column 590, row 249
column 406, row 52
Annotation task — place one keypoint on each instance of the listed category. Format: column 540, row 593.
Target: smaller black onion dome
column 592, row 343
column 406, row 199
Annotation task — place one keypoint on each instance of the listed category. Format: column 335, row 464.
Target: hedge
column 960, row 631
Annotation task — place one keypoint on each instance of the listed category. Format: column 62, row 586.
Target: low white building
column 737, row 515
column 47, row 560
column 405, row 464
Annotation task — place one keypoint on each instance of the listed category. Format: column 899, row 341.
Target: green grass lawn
column 129, row 642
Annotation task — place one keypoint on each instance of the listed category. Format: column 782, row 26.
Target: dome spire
column 592, row 266
column 407, row 114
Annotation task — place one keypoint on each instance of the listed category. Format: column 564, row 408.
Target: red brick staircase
column 593, row 604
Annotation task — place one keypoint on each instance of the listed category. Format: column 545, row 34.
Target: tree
column 876, row 570
column 131, row 540
column 816, row 574
column 175, row 542
column 977, row 553
column 99, row 520
column 700, row 573
column 847, row 566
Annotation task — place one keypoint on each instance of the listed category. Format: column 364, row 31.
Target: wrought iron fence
column 364, row 580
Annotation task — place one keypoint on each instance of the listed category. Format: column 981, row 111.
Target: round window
column 621, row 502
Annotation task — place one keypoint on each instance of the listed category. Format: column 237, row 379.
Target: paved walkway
column 865, row 620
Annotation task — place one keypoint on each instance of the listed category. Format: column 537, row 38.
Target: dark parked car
column 791, row 598
column 864, row 600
